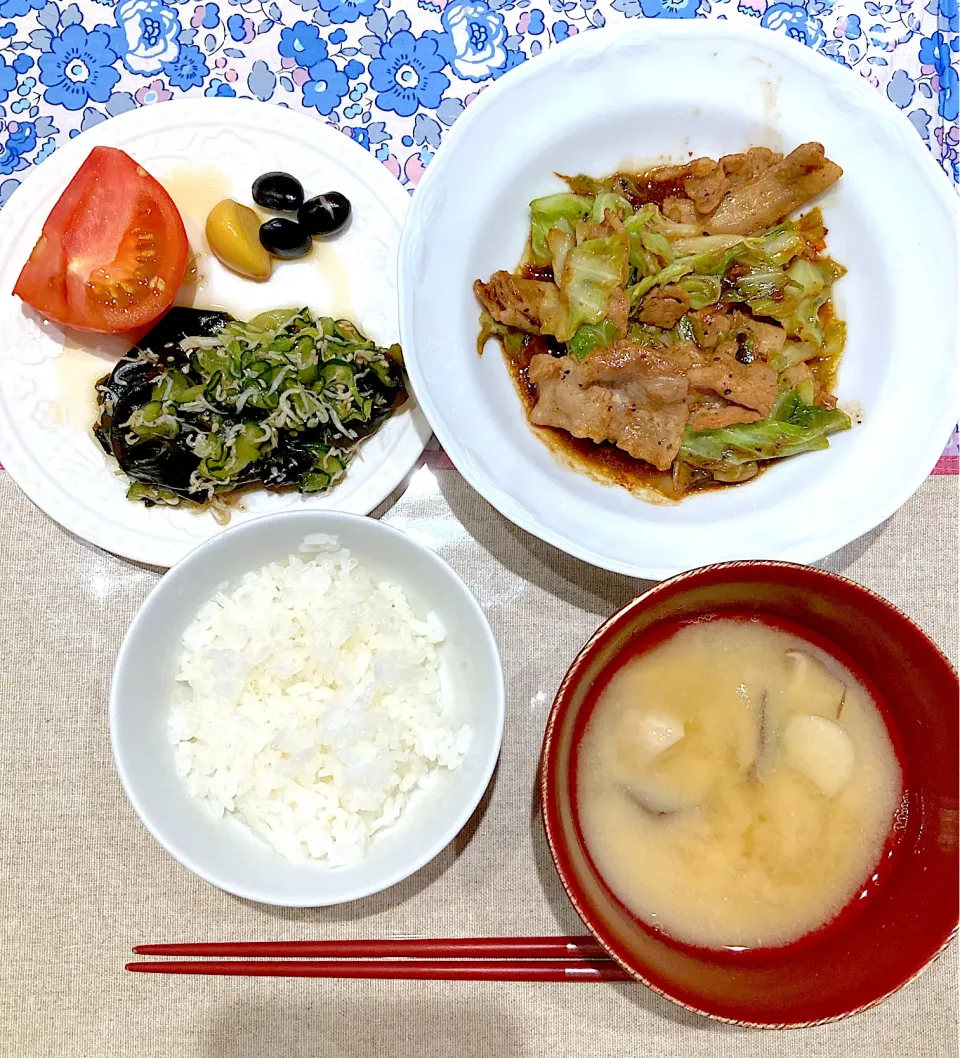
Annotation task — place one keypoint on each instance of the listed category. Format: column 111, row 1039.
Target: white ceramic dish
column 650, row 93
column 225, row 852
column 202, row 150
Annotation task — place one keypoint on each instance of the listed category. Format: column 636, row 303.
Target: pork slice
column 565, row 402
column 630, row 359
column 668, row 173
column 796, row 374
column 742, row 168
column 663, row 306
column 687, row 355
column 626, row 394
column 546, row 368
column 719, row 416
column 710, row 323
column 654, row 434
column 768, row 338
column 680, row 210
column 516, row 302
column 793, row 376
column 617, row 311
column 752, row 385
column 707, row 189
column 775, row 193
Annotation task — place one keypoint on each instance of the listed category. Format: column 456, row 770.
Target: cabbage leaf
column 548, row 212
column 793, row 427
column 592, row 272
column 615, row 203
column 591, row 336
column 702, row 290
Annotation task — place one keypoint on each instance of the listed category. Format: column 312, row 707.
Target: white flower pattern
column 478, row 35
column 152, row 31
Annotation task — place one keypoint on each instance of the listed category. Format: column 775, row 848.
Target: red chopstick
column 438, row 948
column 449, row 959
column 399, row 969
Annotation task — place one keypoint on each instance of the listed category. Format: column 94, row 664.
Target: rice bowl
column 223, row 850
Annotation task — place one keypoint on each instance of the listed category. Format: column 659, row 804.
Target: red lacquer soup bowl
column 901, row 919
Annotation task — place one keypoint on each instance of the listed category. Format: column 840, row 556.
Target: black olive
column 284, row 238
column 279, row 191
column 326, row 214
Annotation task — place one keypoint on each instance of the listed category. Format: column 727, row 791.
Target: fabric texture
column 396, row 77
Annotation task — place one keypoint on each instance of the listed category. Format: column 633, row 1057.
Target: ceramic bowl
column 876, row 945
column 226, row 852
column 645, row 93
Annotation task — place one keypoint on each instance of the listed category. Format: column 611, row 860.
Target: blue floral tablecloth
column 395, row 76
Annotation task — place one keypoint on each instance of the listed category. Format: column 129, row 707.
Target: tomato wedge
column 112, row 252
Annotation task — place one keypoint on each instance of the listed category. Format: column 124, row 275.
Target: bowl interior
column 225, row 852
column 668, row 91
column 872, row 949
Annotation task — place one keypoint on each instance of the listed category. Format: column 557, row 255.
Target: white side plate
column 203, row 149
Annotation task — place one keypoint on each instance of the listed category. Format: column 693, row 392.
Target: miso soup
column 736, row 785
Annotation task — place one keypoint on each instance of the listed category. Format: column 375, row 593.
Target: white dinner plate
column 649, row 93
column 202, row 150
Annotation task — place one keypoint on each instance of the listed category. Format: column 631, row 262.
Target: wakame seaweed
column 205, row 404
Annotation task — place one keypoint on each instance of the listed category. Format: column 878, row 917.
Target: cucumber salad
column 205, row 405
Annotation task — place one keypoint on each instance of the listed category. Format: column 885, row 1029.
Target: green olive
column 233, row 232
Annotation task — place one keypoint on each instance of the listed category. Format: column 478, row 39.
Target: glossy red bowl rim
column 548, row 766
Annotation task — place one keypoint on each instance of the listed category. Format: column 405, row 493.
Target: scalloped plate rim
column 403, row 437
column 645, row 36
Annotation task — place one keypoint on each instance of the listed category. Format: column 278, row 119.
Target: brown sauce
column 543, row 273
column 651, row 190
column 637, row 188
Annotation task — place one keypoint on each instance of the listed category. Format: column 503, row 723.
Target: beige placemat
column 81, row 881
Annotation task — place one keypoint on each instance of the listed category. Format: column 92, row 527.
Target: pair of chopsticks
column 456, row 959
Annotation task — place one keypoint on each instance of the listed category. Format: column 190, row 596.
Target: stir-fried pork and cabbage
column 206, row 404
column 679, row 317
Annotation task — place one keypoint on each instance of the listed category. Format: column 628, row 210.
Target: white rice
column 312, row 704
